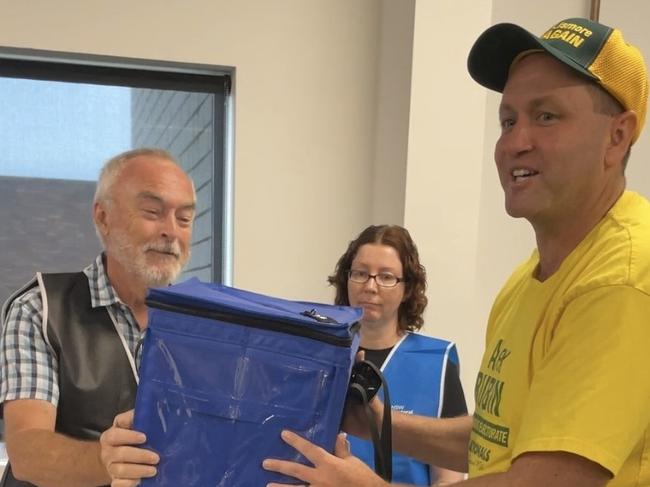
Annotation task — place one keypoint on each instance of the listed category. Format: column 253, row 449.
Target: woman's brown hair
column 415, row 278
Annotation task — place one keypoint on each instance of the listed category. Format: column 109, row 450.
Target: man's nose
column 169, row 226
column 518, row 139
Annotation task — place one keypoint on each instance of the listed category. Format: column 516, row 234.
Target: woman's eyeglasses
column 383, row 279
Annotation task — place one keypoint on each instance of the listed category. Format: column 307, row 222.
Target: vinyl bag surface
column 224, row 371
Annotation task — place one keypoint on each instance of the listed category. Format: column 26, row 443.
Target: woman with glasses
column 381, row 272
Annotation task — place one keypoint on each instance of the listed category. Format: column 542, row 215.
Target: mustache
column 164, row 246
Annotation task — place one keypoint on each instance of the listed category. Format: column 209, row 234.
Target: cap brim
column 494, row 51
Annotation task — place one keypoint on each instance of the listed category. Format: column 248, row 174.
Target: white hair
column 112, row 169
column 114, row 166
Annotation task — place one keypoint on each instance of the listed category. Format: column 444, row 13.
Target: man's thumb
column 342, row 448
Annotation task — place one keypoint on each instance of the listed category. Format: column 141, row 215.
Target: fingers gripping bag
column 224, row 371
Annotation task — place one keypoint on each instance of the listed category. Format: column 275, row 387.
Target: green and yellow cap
column 594, row 50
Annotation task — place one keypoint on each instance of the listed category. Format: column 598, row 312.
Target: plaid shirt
column 28, row 366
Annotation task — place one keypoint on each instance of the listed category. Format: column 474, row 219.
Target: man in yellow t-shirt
column 563, row 393
column 564, row 381
column 566, row 362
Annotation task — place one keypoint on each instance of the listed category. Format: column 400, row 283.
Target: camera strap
column 366, row 380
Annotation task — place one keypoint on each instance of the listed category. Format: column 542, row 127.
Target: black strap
column 382, row 443
column 386, row 433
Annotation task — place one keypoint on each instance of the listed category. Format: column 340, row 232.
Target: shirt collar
column 101, row 290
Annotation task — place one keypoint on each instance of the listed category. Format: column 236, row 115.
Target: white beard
column 135, row 258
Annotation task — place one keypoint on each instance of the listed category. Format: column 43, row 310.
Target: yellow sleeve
column 590, row 394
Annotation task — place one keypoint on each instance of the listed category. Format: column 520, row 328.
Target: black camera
column 365, row 377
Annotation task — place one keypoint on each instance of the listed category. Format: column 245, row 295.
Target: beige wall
column 392, row 121
column 444, row 169
column 347, row 113
column 306, row 111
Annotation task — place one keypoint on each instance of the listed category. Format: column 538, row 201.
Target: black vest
column 95, row 378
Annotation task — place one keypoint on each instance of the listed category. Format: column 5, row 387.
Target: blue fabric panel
column 214, row 395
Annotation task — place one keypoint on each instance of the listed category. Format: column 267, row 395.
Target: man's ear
column 622, row 129
column 100, row 216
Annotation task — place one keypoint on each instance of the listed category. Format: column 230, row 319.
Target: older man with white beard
column 67, row 351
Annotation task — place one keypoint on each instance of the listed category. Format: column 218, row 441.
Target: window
column 63, row 117
column 61, row 121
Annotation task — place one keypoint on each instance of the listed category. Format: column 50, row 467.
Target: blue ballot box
column 224, row 371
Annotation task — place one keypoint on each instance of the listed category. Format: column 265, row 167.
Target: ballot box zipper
column 271, row 324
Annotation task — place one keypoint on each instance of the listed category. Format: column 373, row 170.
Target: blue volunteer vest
column 415, row 372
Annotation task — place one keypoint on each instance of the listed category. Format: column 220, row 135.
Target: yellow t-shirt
column 567, row 360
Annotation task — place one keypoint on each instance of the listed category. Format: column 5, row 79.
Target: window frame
column 160, row 75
